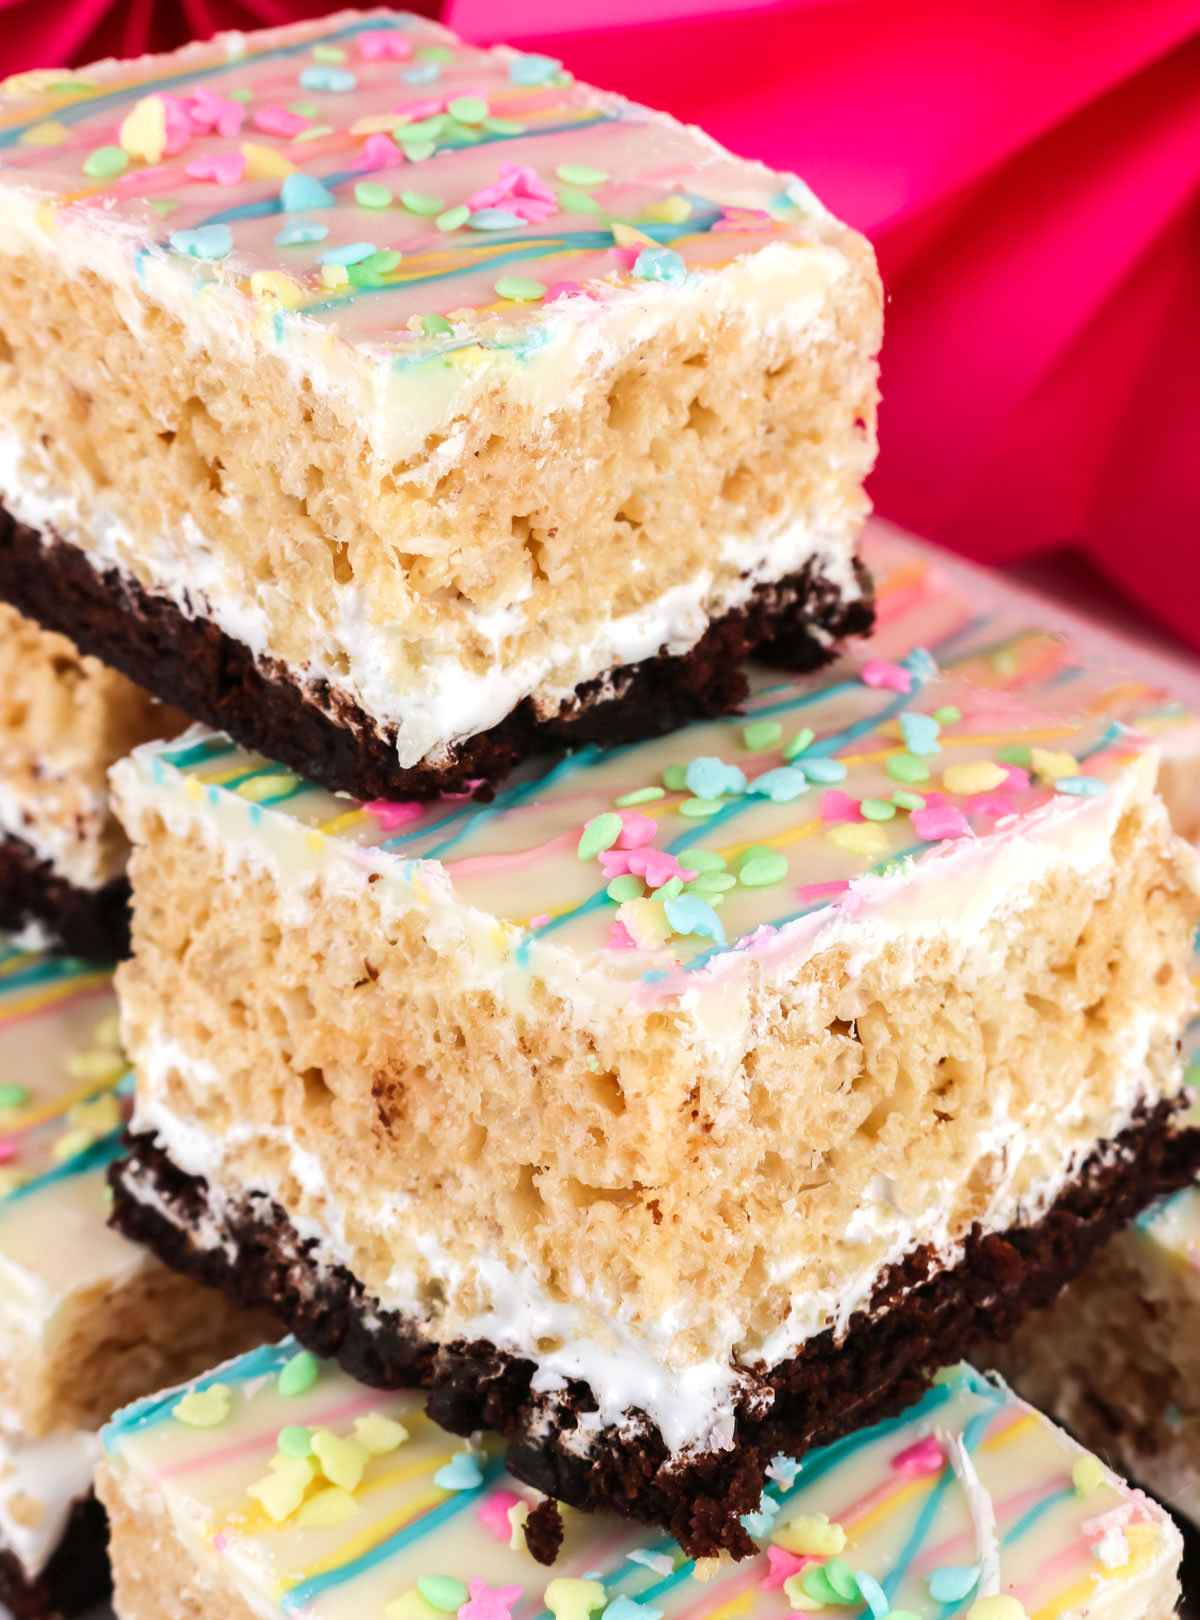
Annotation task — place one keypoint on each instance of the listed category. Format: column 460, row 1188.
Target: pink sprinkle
column 923, row 1457
column 990, row 804
column 531, row 209
column 657, row 867
column 468, row 789
column 743, row 219
column 179, row 124
column 391, row 815
column 620, row 939
column 279, row 121
column 494, row 1510
column 488, row 1602
column 385, row 45
column 839, row 806
column 808, row 892
column 379, row 152
column 561, row 289
column 1016, row 780
column 540, row 921
column 782, row 1565
column 220, row 1541
column 520, row 189
column 875, row 672
column 614, row 863
column 626, row 258
column 636, row 830
column 414, row 111
column 226, row 168
column 940, row 821
column 8, row 1151
column 206, row 111
column 934, row 800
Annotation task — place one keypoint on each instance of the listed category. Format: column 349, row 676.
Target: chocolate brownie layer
column 76, row 1578
column 919, row 1318
column 84, row 922
column 189, row 662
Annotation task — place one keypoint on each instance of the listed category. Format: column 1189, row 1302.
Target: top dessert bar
column 398, row 406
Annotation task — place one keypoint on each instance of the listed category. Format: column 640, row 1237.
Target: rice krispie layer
column 397, row 404
column 87, row 1319
column 64, row 720
column 652, row 1080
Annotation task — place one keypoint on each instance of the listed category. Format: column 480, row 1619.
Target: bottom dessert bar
column 64, row 719
column 277, row 1486
column 87, row 1320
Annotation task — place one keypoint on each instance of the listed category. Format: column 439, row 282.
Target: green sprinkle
column 697, row 809
column 626, row 887
column 13, row 1095
column 435, row 325
column 420, row 202
column 573, row 201
column 303, row 109
column 435, row 53
column 710, row 882
column 904, row 800
column 599, row 834
column 760, row 734
column 802, row 740
column 69, row 87
column 418, row 151
column 842, row 1579
column 1191, row 1075
column 581, row 174
column 368, row 272
column 701, row 860
column 675, row 777
column 503, row 126
column 878, row 809
column 372, row 194
column 443, row 1592
column 468, row 109
column 520, row 289
column 907, row 768
column 645, row 795
column 759, row 871
column 314, row 132
column 1018, row 754
column 242, row 93
column 294, row 1441
column 669, row 889
column 947, row 714
column 453, row 218
column 297, row 1376
column 163, row 205
column 106, row 162
column 328, row 53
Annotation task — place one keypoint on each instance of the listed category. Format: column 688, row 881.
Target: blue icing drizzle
column 265, row 1362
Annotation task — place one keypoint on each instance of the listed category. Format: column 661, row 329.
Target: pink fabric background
column 1030, row 173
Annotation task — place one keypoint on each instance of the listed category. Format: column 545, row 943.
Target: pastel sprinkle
column 435, row 325
column 876, row 672
column 698, row 809
column 143, row 132
column 758, row 871
column 422, row 73
column 859, row 838
column 840, row 1578
column 333, row 1505
column 659, row 264
column 332, row 79
column 443, row 1592
column 348, row 253
column 873, row 1595
column 948, row 715
column 342, row 1460
column 303, row 191
column 1088, row 1474
column 838, row 806
column 453, row 218
column 372, row 194
column 670, row 211
column 299, row 231
column 627, row 1608
column 923, row 1457
column 384, row 45
column 533, row 69
column 904, row 800
column 493, row 1513
column 328, row 53
column 494, row 219
column 49, row 133
column 265, row 162
column 204, row 1408
column 690, row 914
column 571, row 1599
column 600, row 833
column 782, row 785
column 278, row 783
column 811, row 1533
column 420, row 202
column 520, row 289
column 294, row 1441
column 907, row 768
column 802, row 740
column 581, row 174
column 1084, row 787
column 920, row 733
column 1019, row 754
column 106, row 162
column 708, row 777
column 998, row 1607
column 878, row 809
column 299, row 1374
column 281, row 1491
column 710, row 883
column 824, row 771
column 223, row 168
column 646, row 795
column 940, row 821
column 952, row 1582
column 701, row 860
column 13, row 1095
column 762, row 734
column 461, row 1473
column 573, row 201
column 1049, row 764
column 468, row 109
column 980, row 776
column 626, row 887
column 204, row 242
column 675, row 777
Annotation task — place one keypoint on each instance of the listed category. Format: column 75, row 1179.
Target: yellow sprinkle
column 1000, row 1607
column 96, row 1118
column 204, row 1408
column 71, row 1144
column 281, row 1491
column 629, row 235
column 411, row 1605
column 860, row 838
column 267, row 787
column 335, row 275
column 273, row 287
column 1049, row 764
column 331, row 1506
column 45, row 218
column 1088, row 1473
column 570, row 1599
column 1142, row 1535
column 10, row 1180
column 315, row 842
column 471, row 357
column 374, row 124
column 51, row 133
column 517, row 1514
column 108, row 1030
column 646, row 922
column 264, row 162
column 194, row 788
column 143, row 131
column 379, row 1434
column 812, row 1535
column 980, row 776
column 342, row 1461
column 97, row 1065
column 799, row 1599
column 671, row 211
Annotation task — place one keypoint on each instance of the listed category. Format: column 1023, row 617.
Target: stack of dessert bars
column 601, row 1040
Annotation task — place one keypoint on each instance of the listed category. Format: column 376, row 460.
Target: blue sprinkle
column 324, row 77
column 494, row 219
column 873, row 1594
column 782, row 785
column 461, row 1473
column 422, row 73
column 824, row 770
column 757, row 1524
column 533, row 69
column 919, row 663
column 627, row 1608
column 1083, row 787
column 952, row 1582
column 920, row 733
column 205, row 242
column 304, row 191
column 659, row 264
column 689, row 914
column 783, row 1470
column 300, row 230
column 709, row 777
column 653, row 976
column 350, row 253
